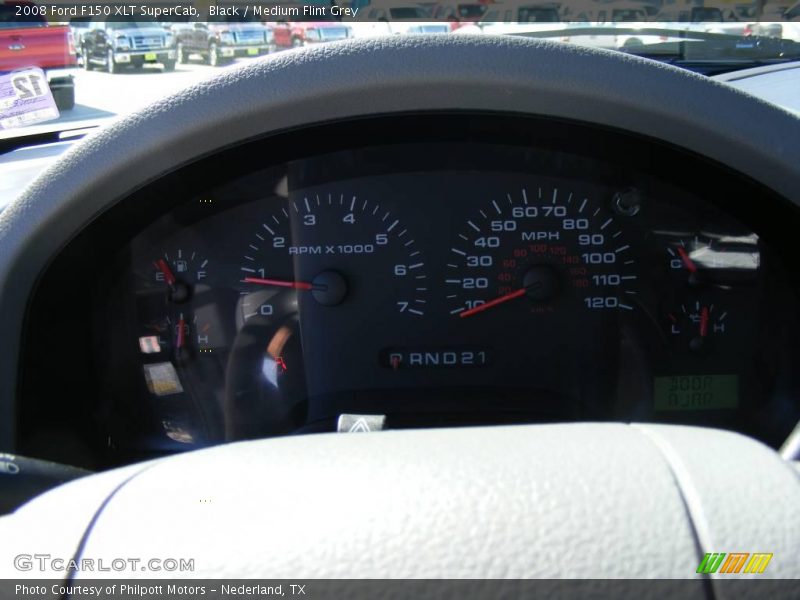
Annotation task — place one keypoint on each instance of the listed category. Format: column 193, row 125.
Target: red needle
column 297, row 285
column 704, row 321
column 181, row 327
column 482, row 307
column 688, row 263
column 162, row 266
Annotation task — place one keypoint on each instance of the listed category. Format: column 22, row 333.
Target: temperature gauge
column 721, row 261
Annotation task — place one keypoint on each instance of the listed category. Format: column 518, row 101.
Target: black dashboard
column 436, row 269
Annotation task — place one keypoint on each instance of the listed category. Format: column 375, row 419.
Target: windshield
column 100, row 66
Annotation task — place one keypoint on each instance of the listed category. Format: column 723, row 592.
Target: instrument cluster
column 448, row 283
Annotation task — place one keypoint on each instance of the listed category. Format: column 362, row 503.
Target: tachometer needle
column 162, row 266
column 296, row 285
column 482, row 307
column 687, row 262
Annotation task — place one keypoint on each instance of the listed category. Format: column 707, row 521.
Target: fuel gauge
column 180, row 273
column 178, row 323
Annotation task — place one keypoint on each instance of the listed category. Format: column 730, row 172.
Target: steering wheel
column 574, row 500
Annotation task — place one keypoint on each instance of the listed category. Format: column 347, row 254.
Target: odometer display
column 539, row 249
column 696, row 392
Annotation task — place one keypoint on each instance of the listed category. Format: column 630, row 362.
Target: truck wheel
column 87, row 64
column 169, row 65
column 214, row 58
column 183, row 55
column 65, row 98
column 111, row 66
column 297, row 42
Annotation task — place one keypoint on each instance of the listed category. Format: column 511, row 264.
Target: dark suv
column 219, row 41
column 116, row 43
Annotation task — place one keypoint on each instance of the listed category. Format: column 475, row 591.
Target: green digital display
column 696, row 392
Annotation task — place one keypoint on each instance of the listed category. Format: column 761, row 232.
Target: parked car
column 30, row 41
column 422, row 28
column 697, row 18
column 516, row 17
column 113, row 43
column 521, row 11
column 78, row 26
column 220, row 41
column 301, row 33
column 391, row 17
column 786, row 31
column 459, row 14
column 631, row 14
column 793, row 12
column 695, row 14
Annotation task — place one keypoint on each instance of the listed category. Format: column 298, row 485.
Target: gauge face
column 694, row 325
column 722, row 261
column 332, row 249
column 536, row 250
column 328, row 268
column 177, row 319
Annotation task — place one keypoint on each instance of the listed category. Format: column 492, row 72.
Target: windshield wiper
column 37, row 136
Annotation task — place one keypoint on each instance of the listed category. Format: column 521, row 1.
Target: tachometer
column 322, row 266
column 538, row 249
column 335, row 249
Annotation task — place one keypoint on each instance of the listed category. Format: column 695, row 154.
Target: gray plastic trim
column 369, row 77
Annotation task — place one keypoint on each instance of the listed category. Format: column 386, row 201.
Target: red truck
column 28, row 40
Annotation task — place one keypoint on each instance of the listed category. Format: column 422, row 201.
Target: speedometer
column 539, row 249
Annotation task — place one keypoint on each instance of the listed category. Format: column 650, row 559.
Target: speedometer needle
column 482, row 307
column 296, row 285
column 687, row 262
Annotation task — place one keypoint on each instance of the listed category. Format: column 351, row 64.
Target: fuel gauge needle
column 162, row 266
column 296, row 285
